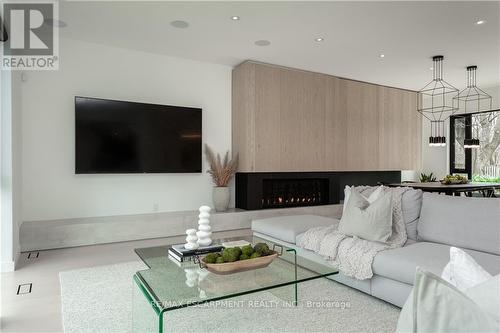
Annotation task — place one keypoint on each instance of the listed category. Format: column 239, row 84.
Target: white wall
column 52, row 190
column 436, row 159
column 10, row 169
column 6, row 226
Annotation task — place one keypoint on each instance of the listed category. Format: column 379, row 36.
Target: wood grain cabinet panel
column 362, row 125
column 335, row 125
column 393, row 122
column 398, row 127
column 415, row 134
column 291, row 120
column 302, row 114
column 268, row 118
column 243, row 115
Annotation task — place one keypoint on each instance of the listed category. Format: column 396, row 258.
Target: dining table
column 486, row 189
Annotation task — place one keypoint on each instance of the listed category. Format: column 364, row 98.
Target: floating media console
column 260, row 190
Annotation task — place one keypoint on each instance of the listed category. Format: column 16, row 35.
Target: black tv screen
column 128, row 137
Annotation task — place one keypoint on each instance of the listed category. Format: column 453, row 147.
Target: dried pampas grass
column 221, row 171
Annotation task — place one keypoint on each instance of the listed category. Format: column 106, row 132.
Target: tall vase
column 221, row 197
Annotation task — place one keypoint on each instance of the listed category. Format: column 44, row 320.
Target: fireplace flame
column 294, row 193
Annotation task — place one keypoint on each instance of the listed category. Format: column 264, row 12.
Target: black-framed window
column 460, row 157
column 461, row 128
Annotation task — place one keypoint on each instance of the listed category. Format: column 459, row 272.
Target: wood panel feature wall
column 291, row 120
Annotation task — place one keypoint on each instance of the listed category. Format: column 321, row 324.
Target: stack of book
column 181, row 254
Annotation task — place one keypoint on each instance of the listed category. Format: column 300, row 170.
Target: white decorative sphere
column 203, row 234
column 191, row 240
column 191, row 246
column 204, row 241
column 203, row 221
column 205, row 209
column 204, row 215
column 191, row 232
column 204, row 227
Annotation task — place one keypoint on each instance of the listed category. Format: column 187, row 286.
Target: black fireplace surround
column 260, row 190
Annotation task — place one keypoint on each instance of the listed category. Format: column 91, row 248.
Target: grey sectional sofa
column 433, row 222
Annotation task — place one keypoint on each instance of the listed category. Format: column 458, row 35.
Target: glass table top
column 173, row 285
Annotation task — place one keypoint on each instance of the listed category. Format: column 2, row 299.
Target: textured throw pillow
column 436, row 306
column 370, row 221
column 377, row 193
column 463, row 271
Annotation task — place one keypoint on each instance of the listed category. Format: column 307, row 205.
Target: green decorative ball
column 238, row 250
column 219, row 260
column 231, row 254
column 255, row 255
column 262, row 249
column 211, row 258
column 247, row 250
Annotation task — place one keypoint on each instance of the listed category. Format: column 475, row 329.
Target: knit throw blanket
column 354, row 256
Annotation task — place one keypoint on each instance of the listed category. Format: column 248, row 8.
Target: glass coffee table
column 168, row 285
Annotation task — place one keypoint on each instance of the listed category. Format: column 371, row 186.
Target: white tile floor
column 40, row 310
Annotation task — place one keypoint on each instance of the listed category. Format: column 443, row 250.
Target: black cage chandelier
column 472, row 94
column 435, row 102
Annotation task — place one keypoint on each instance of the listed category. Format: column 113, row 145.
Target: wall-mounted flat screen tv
column 128, row 137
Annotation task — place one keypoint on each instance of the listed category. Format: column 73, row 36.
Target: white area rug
column 105, row 299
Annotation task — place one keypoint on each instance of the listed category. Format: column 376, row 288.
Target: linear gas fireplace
column 294, row 192
column 260, row 190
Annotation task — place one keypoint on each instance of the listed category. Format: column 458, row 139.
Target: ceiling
column 355, row 34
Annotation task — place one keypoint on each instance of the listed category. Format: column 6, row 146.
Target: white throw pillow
column 487, row 296
column 377, row 193
column 463, row 271
column 434, row 305
column 373, row 221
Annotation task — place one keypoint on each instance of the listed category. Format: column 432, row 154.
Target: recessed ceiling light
column 235, row 18
column 431, row 68
column 262, row 42
column 382, row 55
column 480, row 22
column 319, row 39
column 55, row 23
column 179, row 24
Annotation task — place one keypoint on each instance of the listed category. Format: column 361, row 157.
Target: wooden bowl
column 240, row 265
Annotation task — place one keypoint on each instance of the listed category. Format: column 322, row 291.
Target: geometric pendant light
column 472, row 93
column 471, row 143
column 473, row 99
column 435, row 102
column 438, row 134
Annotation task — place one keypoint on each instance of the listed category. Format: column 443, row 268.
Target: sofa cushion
column 463, row 271
column 286, row 228
column 390, row 290
column 471, row 223
column 411, row 203
column 400, row 264
column 298, row 238
column 436, row 306
column 372, row 193
column 370, row 221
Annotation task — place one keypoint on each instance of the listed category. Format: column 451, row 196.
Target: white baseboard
column 43, row 235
